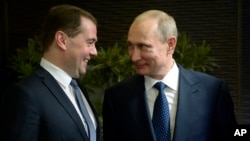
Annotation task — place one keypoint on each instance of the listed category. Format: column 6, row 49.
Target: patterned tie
column 161, row 118
column 83, row 109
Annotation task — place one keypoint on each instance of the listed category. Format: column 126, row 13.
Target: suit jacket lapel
column 188, row 104
column 138, row 107
column 57, row 91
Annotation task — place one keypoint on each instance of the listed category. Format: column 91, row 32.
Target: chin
column 82, row 72
column 141, row 72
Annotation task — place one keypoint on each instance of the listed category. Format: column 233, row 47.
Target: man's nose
column 93, row 51
column 135, row 54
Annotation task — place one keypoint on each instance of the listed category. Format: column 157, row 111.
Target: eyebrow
column 92, row 39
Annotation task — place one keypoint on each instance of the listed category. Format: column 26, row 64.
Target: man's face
column 81, row 48
column 149, row 55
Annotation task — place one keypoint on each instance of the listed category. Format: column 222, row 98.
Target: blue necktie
column 161, row 118
column 83, row 109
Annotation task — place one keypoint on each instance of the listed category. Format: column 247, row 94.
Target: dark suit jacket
column 205, row 110
column 37, row 108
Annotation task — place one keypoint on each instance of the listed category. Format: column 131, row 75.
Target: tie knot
column 160, row 86
column 73, row 83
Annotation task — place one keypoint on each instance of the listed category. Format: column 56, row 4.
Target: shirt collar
column 170, row 79
column 61, row 76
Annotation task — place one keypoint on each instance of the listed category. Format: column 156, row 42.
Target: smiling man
column 45, row 105
column 164, row 101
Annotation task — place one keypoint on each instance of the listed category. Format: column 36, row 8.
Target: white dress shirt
column 171, row 92
column 64, row 80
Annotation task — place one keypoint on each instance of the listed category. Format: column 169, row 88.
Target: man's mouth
column 86, row 60
column 139, row 66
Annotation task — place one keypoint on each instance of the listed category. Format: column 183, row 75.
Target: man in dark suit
column 200, row 107
column 43, row 105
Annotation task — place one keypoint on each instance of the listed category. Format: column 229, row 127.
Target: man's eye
column 90, row 42
column 143, row 46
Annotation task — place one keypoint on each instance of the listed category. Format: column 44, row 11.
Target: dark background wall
column 245, row 59
column 224, row 24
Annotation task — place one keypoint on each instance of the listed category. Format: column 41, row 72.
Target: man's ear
column 60, row 38
column 171, row 44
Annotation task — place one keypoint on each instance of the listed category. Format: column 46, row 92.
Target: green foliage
column 27, row 59
column 193, row 56
column 113, row 64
